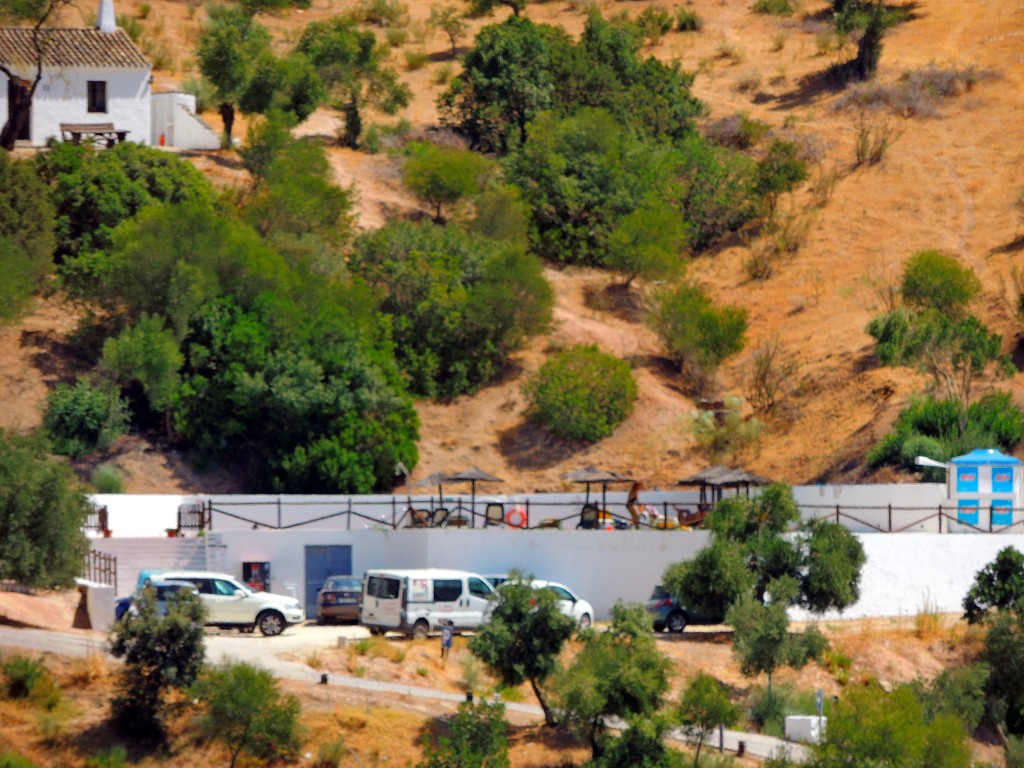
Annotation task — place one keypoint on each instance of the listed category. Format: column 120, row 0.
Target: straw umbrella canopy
column 434, row 478
column 473, row 475
column 718, row 477
column 592, row 474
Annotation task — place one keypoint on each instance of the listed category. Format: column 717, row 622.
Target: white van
column 416, row 601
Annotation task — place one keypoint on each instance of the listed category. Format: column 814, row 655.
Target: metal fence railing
column 396, row 513
column 101, row 568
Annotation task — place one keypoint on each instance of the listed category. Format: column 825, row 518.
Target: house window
column 97, row 95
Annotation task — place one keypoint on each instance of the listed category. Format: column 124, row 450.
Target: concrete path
column 263, row 651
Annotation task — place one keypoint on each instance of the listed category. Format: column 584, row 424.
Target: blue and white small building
column 985, row 487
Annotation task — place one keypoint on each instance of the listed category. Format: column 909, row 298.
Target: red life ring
column 516, row 518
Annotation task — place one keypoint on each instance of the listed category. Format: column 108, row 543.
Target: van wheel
column 420, row 630
column 271, row 623
column 585, row 621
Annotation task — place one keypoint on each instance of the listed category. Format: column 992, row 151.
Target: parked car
column 339, row 599
column 668, row 613
column 569, row 602
column 164, row 589
column 231, row 604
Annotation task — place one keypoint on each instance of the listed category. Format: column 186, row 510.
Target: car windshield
column 344, row 585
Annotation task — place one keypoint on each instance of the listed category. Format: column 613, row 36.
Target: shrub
column 582, row 393
column 12, row 760
column 725, row 436
column 244, row 708
column 396, row 37
column 112, row 757
column 774, row 370
column 416, row 60
column 687, row 20
column 773, row 7
column 476, row 737
column 23, row 676
column 697, row 335
column 330, row 755
column 739, row 131
column 383, row 13
column 934, row 280
column 654, row 22
column 26, row 235
column 83, row 418
column 873, row 139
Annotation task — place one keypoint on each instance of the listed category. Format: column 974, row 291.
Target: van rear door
column 382, row 601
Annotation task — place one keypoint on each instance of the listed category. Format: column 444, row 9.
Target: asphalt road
column 264, row 651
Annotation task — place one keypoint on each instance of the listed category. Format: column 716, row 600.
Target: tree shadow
column 615, row 299
column 101, row 737
column 707, row 637
column 812, row 86
column 60, row 359
column 530, row 446
column 449, row 54
column 1017, row 355
column 1017, row 244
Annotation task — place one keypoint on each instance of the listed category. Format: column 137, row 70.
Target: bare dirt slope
column 948, row 181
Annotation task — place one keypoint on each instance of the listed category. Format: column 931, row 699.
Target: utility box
column 985, row 489
column 809, row 729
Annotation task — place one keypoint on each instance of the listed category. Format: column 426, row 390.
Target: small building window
column 97, row 95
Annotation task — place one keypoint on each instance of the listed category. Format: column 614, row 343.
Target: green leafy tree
column 869, row 47
column 42, row 511
column 871, row 727
column 505, row 83
column 478, row 8
column 147, row 353
column 235, row 57
column 1003, row 653
column 617, row 673
column 703, row 707
column 459, row 303
column 762, row 641
column 160, row 653
column 26, row 234
column 779, row 171
column 580, row 175
column 999, row 586
column 351, row 65
column 84, row 418
column 476, row 739
column 582, row 393
column 641, row 745
column 523, row 638
column 500, row 214
column 712, row 581
column 958, row 691
column 450, row 21
column 95, row 190
column 244, row 708
column 698, row 335
column 441, row 176
column 934, row 280
column 647, row 243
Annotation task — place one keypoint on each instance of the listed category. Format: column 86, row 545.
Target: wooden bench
column 95, row 132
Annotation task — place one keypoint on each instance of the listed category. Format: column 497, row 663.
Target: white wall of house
column 62, row 98
column 174, row 119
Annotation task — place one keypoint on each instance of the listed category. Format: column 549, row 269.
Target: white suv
column 229, row 603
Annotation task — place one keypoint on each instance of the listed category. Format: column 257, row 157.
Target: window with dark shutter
column 97, row 95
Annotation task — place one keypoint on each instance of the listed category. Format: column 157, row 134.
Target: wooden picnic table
column 97, row 132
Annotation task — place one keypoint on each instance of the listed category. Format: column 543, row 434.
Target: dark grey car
column 668, row 613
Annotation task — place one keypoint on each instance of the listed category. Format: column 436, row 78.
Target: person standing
column 447, row 636
column 633, row 502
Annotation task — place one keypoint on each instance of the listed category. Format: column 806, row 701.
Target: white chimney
column 105, row 20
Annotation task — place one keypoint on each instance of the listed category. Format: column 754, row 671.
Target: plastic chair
column 439, row 518
column 589, row 517
column 494, row 514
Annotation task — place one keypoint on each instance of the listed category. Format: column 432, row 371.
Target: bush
column 83, row 418
column 12, row 760
column 108, row 479
column 416, row 60
column 773, row 7
column 698, row 336
column 726, row 436
column 26, row 235
column 654, row 22
column 244, row 708
column 383, row 13
column 476, row 737
column 738, row 131
column 934, row 280
column 582, row 393
column 687, row 20
column 28, row 678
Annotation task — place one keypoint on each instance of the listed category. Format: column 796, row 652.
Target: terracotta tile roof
column 71, row 48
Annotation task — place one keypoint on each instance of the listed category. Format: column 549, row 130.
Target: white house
column 91, row 78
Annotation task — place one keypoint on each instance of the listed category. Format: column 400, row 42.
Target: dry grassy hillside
column 948, row 181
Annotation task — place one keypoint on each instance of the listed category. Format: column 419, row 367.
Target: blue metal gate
column 321, row 562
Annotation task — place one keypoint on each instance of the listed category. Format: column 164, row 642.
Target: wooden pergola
column 714, row 479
